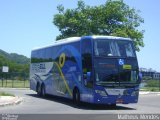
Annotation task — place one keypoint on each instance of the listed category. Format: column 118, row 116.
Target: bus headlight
column 135, row 93
column 101, row 92
column 125, row 92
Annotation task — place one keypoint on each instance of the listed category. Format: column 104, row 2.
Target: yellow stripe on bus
column 65, row 82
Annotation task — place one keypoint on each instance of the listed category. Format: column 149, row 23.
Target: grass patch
column 6, row 94
column 151, row 85
column 153, row 89
column 15, row 83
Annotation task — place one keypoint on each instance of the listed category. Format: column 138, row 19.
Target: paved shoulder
column 148, row 92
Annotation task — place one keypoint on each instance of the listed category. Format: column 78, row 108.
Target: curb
column 13, row 101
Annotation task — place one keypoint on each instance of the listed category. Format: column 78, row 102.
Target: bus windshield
column 123, row 77
column 115, row 48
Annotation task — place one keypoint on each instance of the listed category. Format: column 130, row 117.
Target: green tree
column 14, row 67
column 113, row 18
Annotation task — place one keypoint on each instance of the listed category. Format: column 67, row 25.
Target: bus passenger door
column 87, row 72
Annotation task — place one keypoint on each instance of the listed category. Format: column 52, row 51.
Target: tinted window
column 125, row 48
column 121, row 48
column 86, row 55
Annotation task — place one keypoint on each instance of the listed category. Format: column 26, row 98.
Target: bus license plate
column 119, row 101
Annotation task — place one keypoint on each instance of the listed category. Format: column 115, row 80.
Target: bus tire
column 76, row 97
column 113, row 105
column 38, row 89
column 43, row 90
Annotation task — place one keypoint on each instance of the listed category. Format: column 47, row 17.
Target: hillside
column 19, row 59
column 18, row 64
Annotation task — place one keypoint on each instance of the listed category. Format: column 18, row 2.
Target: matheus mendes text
column 138, row 117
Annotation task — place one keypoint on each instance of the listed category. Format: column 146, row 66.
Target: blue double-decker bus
column 93, row 69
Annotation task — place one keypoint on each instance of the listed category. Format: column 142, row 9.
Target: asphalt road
column 32, row 104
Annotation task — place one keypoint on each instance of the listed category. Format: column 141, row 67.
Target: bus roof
column 60, row 42
column 74, row 39
column 110, row 37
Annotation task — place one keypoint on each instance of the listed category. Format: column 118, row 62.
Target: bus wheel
column 113, row 105
column 76, row 97
column 39, row 89
column 43, row 91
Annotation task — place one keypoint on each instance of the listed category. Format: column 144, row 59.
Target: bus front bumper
column 115, row 99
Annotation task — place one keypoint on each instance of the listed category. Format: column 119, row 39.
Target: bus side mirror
column 88, row 76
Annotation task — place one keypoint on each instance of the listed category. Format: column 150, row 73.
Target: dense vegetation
column 152, row 83
column 114, row 18
column 18, row 64
column 19, row 59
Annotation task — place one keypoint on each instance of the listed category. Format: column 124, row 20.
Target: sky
column 26, row 24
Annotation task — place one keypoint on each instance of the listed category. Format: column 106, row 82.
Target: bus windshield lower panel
column 126, row 78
